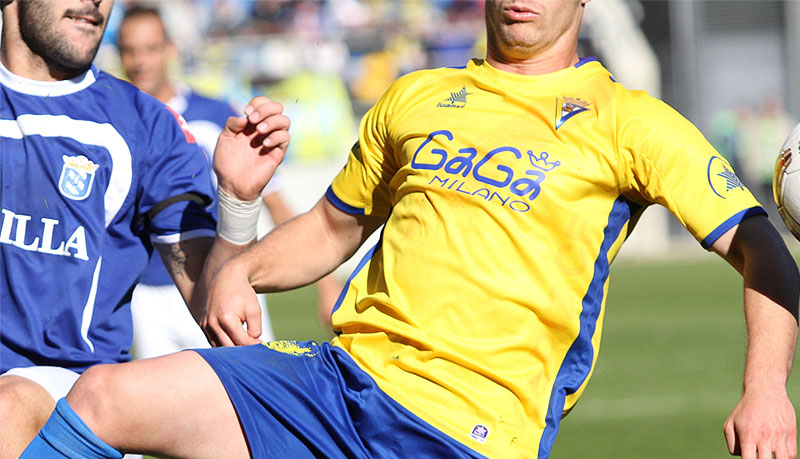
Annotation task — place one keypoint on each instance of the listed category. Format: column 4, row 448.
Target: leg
column 24, row 408
column 173, row 406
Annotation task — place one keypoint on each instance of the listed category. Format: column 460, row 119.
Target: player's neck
column 558, row 56
column 533, row 66
column 164, row 92
column 23, row 62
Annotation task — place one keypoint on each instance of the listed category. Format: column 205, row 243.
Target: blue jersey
column 205, row 119
column 92, row 173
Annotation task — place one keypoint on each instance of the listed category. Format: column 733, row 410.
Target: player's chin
column 77, row 60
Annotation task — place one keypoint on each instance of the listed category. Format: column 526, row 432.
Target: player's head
column 62, row 35
column 145, row 50
column 518, row 30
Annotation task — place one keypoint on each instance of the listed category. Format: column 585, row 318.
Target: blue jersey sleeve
column 176, row 189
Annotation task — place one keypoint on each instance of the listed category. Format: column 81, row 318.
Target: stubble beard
column 516, row 44
column 42, row 37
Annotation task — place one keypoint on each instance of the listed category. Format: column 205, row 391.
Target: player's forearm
column 771, row 292
column 185, row 261
column 770, row 298
column 305, row 248
column 290, row 256
column 772, row 336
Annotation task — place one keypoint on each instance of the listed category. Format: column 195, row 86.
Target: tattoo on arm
column 176, row 260
column 185, row 259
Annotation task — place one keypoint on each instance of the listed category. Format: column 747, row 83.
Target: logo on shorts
column 721, row 177
column 77, row 176
column 568, row 107
column 292, row 348
column 456, row 99
column 479, row 433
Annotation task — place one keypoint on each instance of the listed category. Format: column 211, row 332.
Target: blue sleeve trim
column 730, row 223
column 585, row 60
column 341, row 205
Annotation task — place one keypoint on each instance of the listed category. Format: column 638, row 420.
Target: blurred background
column 670, row 370
column 724, row 64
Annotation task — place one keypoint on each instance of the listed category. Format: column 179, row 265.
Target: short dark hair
column 139, row 10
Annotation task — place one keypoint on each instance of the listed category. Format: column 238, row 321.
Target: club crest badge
column 77, row 176
column 568, row 107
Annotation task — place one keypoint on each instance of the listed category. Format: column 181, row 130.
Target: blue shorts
column 303, row 399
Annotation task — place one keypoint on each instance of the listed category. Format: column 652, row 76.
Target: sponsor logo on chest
column 23, row 232
column 504, row 175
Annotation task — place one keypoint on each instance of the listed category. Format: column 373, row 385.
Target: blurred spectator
column 162, row 323
column 323, row 126
column 376, row 71
column 447, row 46
column 769, row 127
column 727, row 132
column 269, row 16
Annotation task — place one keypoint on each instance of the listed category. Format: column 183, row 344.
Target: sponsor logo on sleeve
column 721, row 177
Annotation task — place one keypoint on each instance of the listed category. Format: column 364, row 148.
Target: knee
column 92, row 394
column 24, row 408
column 20, row 396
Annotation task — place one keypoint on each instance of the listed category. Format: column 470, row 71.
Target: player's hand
column 762, row 424
column 231, row 303
column 250, row 148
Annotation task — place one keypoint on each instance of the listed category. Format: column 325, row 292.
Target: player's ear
column 171, row 50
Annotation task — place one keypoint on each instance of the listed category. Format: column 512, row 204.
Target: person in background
column 162, row 324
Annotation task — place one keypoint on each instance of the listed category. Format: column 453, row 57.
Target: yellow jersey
column 507, row 197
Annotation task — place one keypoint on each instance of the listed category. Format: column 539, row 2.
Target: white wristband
column 238, row 220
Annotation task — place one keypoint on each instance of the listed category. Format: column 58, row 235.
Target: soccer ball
column 786, row 182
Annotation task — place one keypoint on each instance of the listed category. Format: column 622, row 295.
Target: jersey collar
column 47, row 88
column 554, row 82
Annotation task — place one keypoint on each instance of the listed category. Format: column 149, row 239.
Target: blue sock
column 65, row 435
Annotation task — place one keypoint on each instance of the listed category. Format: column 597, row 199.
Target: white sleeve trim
column 177, row 237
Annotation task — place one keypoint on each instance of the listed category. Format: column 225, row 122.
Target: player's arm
column 184, row 261
column 763, row 421
column 248, row 151
column 328, row 287
column 296, row 253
